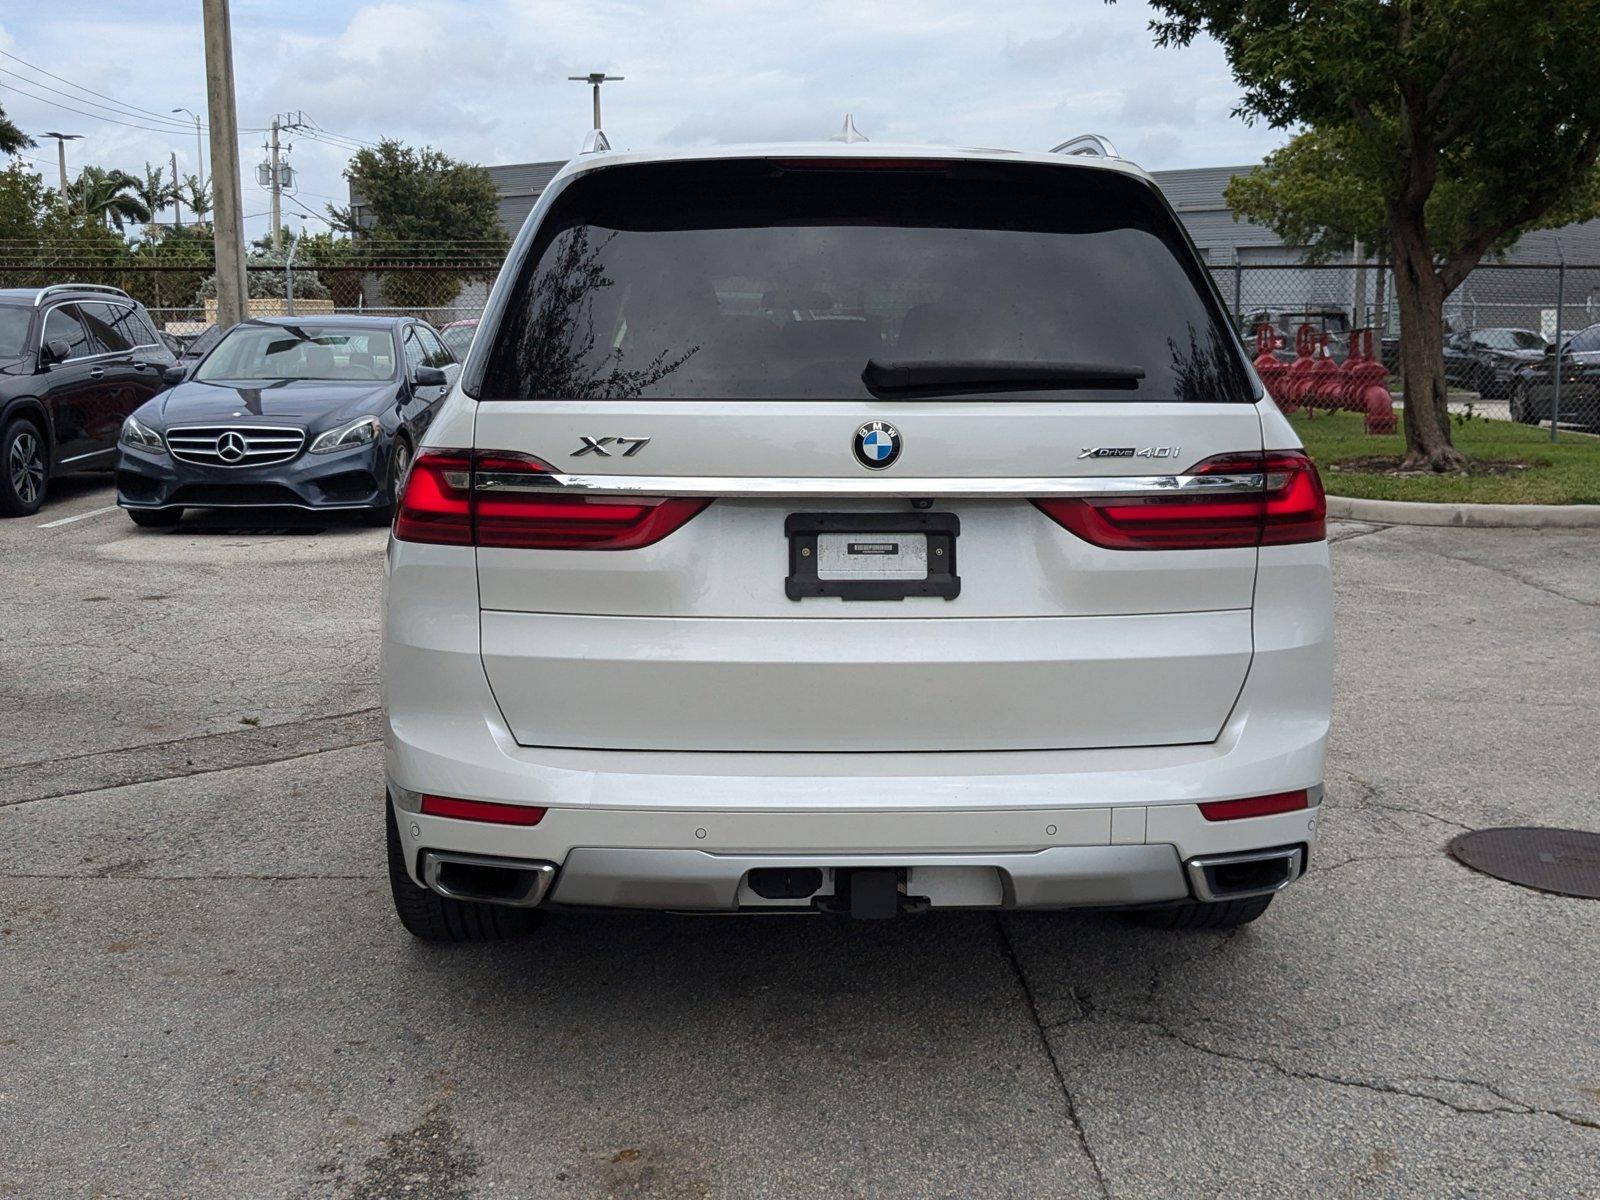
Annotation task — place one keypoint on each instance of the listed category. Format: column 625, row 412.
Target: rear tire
column 155, row 518
column 1220, row 914
column 1522, row 405
column 24, row 469
column 433, row 918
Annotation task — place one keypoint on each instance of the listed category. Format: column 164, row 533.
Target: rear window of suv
column 782, row 279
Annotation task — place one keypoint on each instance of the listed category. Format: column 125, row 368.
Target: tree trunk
column 1420, row 295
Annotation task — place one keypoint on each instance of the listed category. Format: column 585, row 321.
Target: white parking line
column 93, row 512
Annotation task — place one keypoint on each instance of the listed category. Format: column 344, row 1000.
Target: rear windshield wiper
column 973, row 375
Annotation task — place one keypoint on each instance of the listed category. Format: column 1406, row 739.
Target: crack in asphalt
column 62, row 759
column 1352, row 534
column 204, row 754
column 237, row 766
column 1369, row 799
column 1010, row 951
column 1324, row 869
column 1510, row 1107
column 1089, row 1011
column 1515, row 576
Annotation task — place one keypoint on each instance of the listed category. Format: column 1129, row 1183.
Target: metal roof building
column 1196, row 193
column 1233, row 247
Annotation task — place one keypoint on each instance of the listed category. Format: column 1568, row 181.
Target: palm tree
column 153, row 191
column 197, row 196
column 110, row 195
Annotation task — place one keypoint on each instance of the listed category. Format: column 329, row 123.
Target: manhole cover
column 1563, row 861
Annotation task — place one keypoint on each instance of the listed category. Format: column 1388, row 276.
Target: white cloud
column 485, row 80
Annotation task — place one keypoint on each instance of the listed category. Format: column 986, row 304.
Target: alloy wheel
column 27, row 468
column 402, row 465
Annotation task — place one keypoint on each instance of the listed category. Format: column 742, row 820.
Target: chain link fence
column 180, row 295
column 1500, row 327
column 1500, row 323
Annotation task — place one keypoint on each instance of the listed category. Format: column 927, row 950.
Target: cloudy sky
column 485, row 80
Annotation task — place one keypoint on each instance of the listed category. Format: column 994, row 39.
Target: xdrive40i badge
column 1129, row 451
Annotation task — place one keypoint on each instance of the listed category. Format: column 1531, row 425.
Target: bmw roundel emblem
column 877, row 445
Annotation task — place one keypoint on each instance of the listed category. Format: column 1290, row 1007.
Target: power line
column 96, row 116
column 324, row 140
column 178, row 127
column 345, row 136
column 314, row 216
column 59, row 79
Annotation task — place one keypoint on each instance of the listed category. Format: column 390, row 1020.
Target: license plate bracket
column 807, row 531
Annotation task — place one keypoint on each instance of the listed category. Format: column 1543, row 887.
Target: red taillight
column 543, row 520
column 1255, row 806
column 436, row 505
column 461, row 498
column 1297, row 508
column 482, row 810
column 1290, row 507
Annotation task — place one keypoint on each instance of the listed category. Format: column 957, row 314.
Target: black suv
column 75, row 360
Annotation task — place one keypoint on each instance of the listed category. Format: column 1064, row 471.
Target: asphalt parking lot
column 203, row 990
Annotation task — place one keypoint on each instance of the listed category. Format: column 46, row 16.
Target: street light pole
column 199, row 155
column 61, row 158
column 595, row 79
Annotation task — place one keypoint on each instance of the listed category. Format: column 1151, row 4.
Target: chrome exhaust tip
column 484, row 879
column 1250, row 873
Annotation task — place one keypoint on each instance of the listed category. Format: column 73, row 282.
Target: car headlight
column 358, row 433
column 141, row 437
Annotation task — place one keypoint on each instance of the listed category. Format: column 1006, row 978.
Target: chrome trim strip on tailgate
column 800, row 489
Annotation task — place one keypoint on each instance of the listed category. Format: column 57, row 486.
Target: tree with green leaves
column 1446, row 129
column 23, row 201
column 423, row 205
column 36, row 229
column 338, row 262
column 154, row 191
column 111, row 196
column 196, row 197
column 12, row 139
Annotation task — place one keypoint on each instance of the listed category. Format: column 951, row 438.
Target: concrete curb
column 1470, row 516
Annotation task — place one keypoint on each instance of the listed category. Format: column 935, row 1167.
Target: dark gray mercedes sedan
column 305, row 412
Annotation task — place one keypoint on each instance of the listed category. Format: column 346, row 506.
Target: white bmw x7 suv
column 854, row 529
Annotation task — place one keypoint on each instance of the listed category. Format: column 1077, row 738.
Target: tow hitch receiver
column 870, row 894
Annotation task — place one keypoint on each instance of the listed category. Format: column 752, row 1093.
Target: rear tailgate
column 698, row 642
column 693, row 642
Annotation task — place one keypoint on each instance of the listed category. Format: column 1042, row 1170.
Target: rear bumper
column 675, row 829
column 1066, row 858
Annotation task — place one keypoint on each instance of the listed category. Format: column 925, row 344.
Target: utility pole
column 61, row 158
column 177, row 211
column 227, row 231
column 277, row 192
column 595, row 79
column 275, row 174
